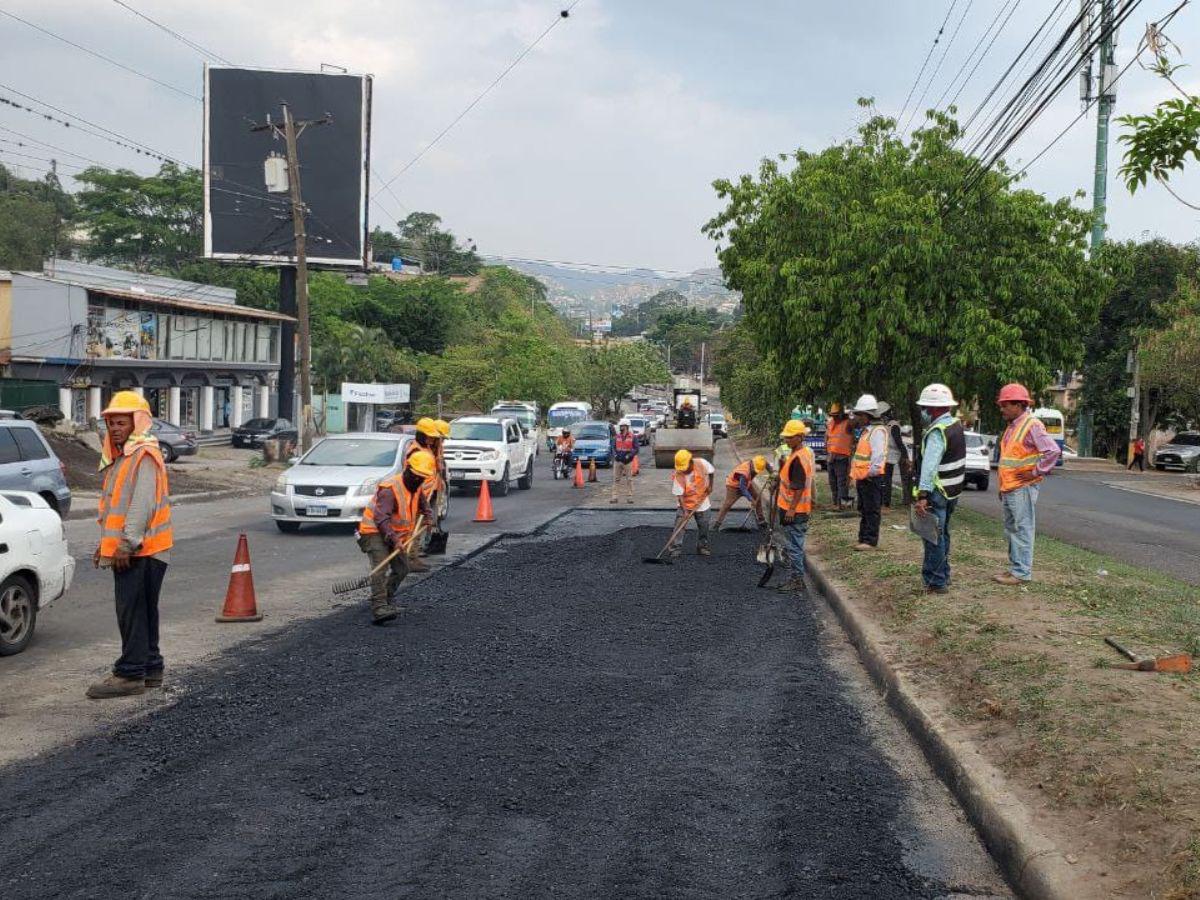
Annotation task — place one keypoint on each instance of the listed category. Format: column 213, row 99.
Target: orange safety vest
column 694, row 487
column 860, row 466
column 408, row 507
column 744, row 469
column 1015, row 460
column 117, row 495
column 803, row 455
column 837, row 437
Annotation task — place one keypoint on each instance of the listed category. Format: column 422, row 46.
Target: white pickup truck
column 489, row 448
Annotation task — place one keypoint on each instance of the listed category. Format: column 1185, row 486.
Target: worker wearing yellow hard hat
column 793, row 501
column 742, row 482
column 839, row 439
column 390, row 522
column 692, row 486
column 136, row 537
column 427, row 437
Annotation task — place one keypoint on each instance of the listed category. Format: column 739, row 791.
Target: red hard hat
column 1014, row 392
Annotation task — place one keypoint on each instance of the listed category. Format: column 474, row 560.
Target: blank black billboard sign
column 241, row 219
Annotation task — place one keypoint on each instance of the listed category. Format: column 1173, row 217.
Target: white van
column 565, row 414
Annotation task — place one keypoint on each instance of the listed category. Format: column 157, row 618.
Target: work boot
column 703, row 551
column 382, row 612
column 793, row 586
column 154, row 679
column 1007, row 578
column 931, row 589
column 415, row 565
column 862, row 547
column 116, row 686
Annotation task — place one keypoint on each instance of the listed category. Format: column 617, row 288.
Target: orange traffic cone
column 240, row 604
column 483, row 509
column 578, row 474
column 636, row 467
column 592, row 471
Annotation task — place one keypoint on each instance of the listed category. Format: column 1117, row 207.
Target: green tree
column 643, row 316
column 144, row 222
column 683, row 330
column 748, row 381
column 608, row 372
column 1144, row 281
column 421, row 237
column 882, row 265
column 32, row 217
column 1170, row 360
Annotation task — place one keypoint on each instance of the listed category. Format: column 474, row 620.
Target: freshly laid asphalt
column 550, row 719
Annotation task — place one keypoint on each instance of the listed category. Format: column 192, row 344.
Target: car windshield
column 359, row 452
column 476, row 431
column 713, row 417
column 1187, row 440
column 258, row 424
column 560, row 417
column 637, row 423
column 527, row 417
column 593, row 432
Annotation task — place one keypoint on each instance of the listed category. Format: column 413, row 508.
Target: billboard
column 243, row 220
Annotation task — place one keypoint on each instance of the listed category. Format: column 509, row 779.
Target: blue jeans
column 1020, row 523
column 794, row 536
column 935, row 570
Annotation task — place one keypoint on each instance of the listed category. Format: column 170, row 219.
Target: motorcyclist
column 564, row 446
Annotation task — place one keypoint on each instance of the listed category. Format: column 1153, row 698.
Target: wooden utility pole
column 298, row 231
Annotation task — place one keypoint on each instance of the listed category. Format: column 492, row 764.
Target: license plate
column 318, row 510
column 458, row 473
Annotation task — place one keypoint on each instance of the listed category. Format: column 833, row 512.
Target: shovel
column 1174, row 662
column 659, row 560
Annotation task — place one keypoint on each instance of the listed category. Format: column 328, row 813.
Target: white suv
column 489, row 448
column 979, row 451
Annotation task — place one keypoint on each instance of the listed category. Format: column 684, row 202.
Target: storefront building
column 201, row 361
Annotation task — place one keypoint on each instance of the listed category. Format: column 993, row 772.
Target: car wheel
column 287, row 527
column 18, row 614
column 168, row 452
column 982, row 483
column 500, row 488
column 525, row 482
column 1160, row 468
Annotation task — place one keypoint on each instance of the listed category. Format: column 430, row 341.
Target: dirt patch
column 1109, row 759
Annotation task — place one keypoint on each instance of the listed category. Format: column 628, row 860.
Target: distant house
column 199, row 358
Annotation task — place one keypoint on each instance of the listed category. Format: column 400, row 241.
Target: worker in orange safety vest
column 838, row 443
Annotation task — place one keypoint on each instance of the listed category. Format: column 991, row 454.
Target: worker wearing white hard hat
column 943, row 470
column 867, row 468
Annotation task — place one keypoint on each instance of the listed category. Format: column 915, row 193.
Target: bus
column 1055, row 427
column 563, row 415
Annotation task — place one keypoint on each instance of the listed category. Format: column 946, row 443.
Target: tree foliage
column 748, row 381
column 420, row 237
column 643, row 316
column 31, row 212
column 1170, row 359
column 1160, row 142
column 875, row 265
column 608, row 372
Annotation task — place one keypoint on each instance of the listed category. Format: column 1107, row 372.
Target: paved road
column 1080, row 508
column 549, row 720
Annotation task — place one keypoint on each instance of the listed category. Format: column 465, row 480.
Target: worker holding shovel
column 692, row 485
column 794, row 501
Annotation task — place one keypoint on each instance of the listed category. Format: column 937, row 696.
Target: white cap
column 937, row 395
column 867, row 404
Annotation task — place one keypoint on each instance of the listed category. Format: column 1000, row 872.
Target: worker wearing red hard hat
column 1027, row 455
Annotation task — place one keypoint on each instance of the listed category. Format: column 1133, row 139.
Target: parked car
column 593, row 441
column 254, row 432
column 716, row 421
column 979, row 466
column 489, row 448
column 36, row 568
column 336, row 479
column 386, row 418
column 174, row 441
column 28, row 464
column 1182, row 453
column 640, row 426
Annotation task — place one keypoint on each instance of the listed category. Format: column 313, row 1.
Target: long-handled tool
column 767, row 552
column 1174, row 662
column 659, row 560
column 357, row 584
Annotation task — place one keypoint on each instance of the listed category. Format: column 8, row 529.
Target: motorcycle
column 562, row 465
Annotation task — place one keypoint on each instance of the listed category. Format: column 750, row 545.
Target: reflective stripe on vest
column 804, row 456
column 1015, row 460
column 694, row 486
column 837, row 437
column 407, row 507
column 116, row 496
column 742, row 469
column 860, row 465
column 951, row 471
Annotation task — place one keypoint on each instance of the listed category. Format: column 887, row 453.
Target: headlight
column 281, row 484
column 489, row 456
column 367, row 487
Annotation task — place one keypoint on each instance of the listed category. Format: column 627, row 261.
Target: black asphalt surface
column 1082, row 508
column 552, row 719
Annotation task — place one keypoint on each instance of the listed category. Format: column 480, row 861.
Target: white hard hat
column 867, row 404
column 936, row 395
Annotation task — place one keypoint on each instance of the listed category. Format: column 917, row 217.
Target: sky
column 602, row 144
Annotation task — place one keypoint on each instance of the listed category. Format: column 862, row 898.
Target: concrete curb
column 1033, row 864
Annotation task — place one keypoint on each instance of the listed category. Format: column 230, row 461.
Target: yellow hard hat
column 760, row 463
column 126, row 402
column 427, row 427
column 443, row 427
column 794, row 428
column 835, row 408
column 683, row 459
column 423, row 463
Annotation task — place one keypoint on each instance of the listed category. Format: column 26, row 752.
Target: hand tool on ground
column 743, row 528
column 356, row 584
column 437, row 542
column 1174, row 662
column 767, row 552
column 659, row 560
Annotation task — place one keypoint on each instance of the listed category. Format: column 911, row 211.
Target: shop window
column 239, row 336
column 204, row 328
column 274, row 350
column 262, row 344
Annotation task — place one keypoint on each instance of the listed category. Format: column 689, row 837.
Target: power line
column 98, row 55
column 941, row 61
column 47, row 144
column 188, row 42
column 487, row 90
column 1009, row 5
column 928, row 56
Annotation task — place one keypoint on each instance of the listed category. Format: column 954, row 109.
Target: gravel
column 551, row 719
